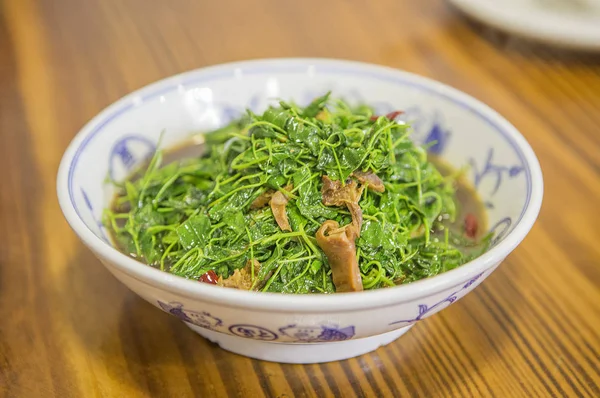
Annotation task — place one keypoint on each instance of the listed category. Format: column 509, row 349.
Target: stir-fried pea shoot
column 194, row 216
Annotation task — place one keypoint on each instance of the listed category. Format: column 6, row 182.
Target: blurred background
column 66, row 328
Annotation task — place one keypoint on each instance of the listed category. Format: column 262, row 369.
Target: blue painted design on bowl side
column 314, row 334
column 299, row 334
column 425, row 309
column 199, row 318
column 253, row 332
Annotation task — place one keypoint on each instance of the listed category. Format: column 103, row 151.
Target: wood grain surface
column 69, row 329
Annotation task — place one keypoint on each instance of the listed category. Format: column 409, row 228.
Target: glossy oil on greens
column 193, row 215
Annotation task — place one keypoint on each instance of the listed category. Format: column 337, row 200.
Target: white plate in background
column 571, row 24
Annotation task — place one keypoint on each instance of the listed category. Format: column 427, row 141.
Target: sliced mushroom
column 278, row 202
column 371, row 179
column 357, row 217
column 262, row 200
column 339, row 247
column 336, row 194
column 241, row 278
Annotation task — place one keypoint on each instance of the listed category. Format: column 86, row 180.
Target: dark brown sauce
column 190, row 148
column 467, row 199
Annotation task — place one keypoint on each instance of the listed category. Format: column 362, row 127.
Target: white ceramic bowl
column 299, row 328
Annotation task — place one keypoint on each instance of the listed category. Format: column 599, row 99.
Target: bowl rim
column 303, row 302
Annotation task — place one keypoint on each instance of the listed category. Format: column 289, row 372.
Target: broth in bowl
column 318, row 199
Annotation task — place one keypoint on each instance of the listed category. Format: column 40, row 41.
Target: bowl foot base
column 299, row 353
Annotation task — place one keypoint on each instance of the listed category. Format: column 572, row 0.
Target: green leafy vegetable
column 199, row 214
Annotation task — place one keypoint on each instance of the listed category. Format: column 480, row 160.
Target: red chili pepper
column 470, row 225
column 392, row 115
column 210, row 277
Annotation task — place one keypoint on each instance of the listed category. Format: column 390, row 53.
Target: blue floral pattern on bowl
column 202, row 319
column 315, row 334
column 253, row 332
column 129, row 152
column 494, row 170
column 293, row 333
column 425, row 309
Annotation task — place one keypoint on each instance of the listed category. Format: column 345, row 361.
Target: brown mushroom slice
column 241, row 278
column 278, row 202
column 262, row 200
column 357, row 217
column 336, row 194
column 371, row 179
column 333, row 192
column 339, row 248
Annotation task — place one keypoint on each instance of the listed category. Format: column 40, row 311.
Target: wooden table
column 69, row 329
